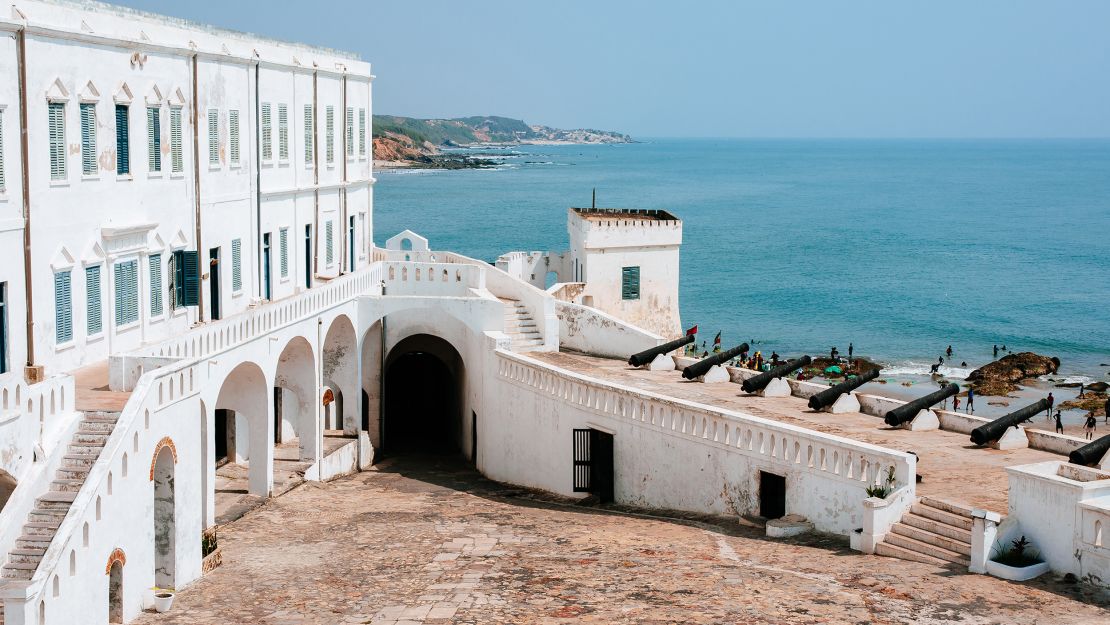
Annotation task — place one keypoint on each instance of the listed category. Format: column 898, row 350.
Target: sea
column 899, row 247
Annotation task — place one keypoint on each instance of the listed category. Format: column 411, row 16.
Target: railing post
column 984, row 530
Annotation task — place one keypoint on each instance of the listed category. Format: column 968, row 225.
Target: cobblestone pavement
column 428, row 541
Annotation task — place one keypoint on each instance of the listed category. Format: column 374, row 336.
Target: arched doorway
column 294, row 394
column 339, row 362
column 425, row 386
column 165, row 519
column 243, row 427
column 115, row 586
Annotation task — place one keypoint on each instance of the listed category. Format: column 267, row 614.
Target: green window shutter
column 94, row 318
column 362, row 132
column 3, row 184
column 63, row 308
column 328, row 240
column 267, row 148
column 350, row 136
column 57, row 115
column 155, row 261
column 283, row 132
column 630, row 283
column 233, row 135
column 88, row 139
column 213, row 137
column 127, row 292
column 309, row 133
column 154, row 139
column 283, row 243
column 329, row 129
column 123, row 141
column 186, row 278
column 236, row 265
column 178, row 162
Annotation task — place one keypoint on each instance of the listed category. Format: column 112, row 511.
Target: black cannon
column 642, row 358
column 829, row 396
column 702, row 366
column 906, row 413
column 995, row 429
column 760, row 382
column 1090, row 453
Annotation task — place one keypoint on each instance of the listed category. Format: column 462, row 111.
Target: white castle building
column 190, row 294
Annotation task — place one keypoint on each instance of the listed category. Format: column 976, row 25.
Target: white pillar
column 984, row 529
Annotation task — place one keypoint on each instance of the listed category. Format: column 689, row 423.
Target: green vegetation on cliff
column 484, row 129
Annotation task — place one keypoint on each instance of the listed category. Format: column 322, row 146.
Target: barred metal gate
column 593, row 463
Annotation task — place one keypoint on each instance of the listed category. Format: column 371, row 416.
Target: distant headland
column 410, row 142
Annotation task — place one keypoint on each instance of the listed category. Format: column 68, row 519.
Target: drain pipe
column 343, row 227
column 201, row 259
column 258, row 183
column 31, row 372
column 315, row 174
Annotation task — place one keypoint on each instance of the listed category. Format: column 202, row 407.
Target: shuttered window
column 362, row 132
column 127, row 292
column 309, row 133
column 155, row 261
column 57, row 114
column 329, row 239
column 123, row 140
column 630, row 283
column 267, row 133
column 236, row 265
column 283, row 132
column 233, row 135
column 283, row 245
column 3, row 183
column 329, row 129
column 63, row 308
column 178, row 162
column 154, row 139
column 88, row 138
column 94, row 321
column 213, row 137
column 350, row 136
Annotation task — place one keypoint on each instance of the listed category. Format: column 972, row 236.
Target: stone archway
column 114, row 570
column 244, row 417
column 162, row 470
column 294, row 397
column 424, row 396
column 340, row 373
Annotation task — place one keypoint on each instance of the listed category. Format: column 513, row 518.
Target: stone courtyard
column 428, row 540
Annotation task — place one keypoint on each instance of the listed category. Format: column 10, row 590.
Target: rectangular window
column 329, row 129
column 267, row 133
column 233, row 135
column 309, row 133
column 362, row 132
column 88, row 139
column 213, row 136
column 350, row 135
column 127, row 292
column 630, row 283
column 63, row 308
column 57, row 113
column 94, row 320
column 329, row 249
column 283, row 132
column 236, row 265
column 155, row 284
column 178, row 162
column 186, row 278
column 123, row 140
column 154, row 139
column 283, row 244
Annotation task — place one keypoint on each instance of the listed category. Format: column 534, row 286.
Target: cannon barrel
column 700, row 367
column 829, row 396
column 1090, row 453
column 640, row 359
column 907, row 412
column 760, row 382
column 995, row 429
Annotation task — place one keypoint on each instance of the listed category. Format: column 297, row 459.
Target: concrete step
column 937, row 514
column 49, row 515
column 51, row 501
column 937, row 527
column 20, row 570
column 910, row 544
column 894, row 551
column 937, row 540
column 28, row 555
column 526, row 343
column 958, row 509
column 67, row 485
column 37, row 528
column 90, row 438
column 101, row 417
column 96, row 427
column 71, row 473
column 78, row 461
column 32, row 541
column 85, row 448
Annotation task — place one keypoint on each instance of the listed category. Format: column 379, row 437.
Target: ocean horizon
column 898, row 246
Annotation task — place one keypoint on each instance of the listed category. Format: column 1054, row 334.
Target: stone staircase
column 521, row 327
column 934, row 532
column 52, row 507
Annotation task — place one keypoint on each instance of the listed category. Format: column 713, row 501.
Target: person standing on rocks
column 851, row 348
column 1051, row 400
column 1059, row 423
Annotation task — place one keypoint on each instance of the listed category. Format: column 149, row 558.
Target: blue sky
column 781, row 68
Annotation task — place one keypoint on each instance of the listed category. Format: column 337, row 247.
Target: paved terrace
column 951, row 467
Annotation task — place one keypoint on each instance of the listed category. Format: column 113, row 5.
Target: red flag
column 717, row 340
column 693, row 330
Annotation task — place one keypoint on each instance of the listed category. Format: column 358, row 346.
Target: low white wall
column 342, row 461
column 591, row 331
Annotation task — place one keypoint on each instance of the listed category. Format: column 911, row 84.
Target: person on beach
column 934, row 369
column 1089, row 426
column 1051, row 400
column 996, row 351
column 851, row 348
column 1081, row 387
column 774, row 358
column 949, row 351
column 940, row 360
column 1106, row 408
column 832, row 353
column 956, row 403
column 1059, row 423
column 970, row 400
column 1003, row 348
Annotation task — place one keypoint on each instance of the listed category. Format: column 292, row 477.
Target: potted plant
column 163, row 599
column 1017, row 562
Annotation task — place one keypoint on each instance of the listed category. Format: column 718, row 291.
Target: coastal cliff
column 410, row 142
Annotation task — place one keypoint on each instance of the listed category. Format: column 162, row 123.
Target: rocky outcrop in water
column 1002, row 376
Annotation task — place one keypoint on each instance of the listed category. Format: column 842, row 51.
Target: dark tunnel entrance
column 424, row 390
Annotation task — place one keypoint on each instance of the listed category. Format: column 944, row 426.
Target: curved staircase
column 521, row 327
column 933, row 531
